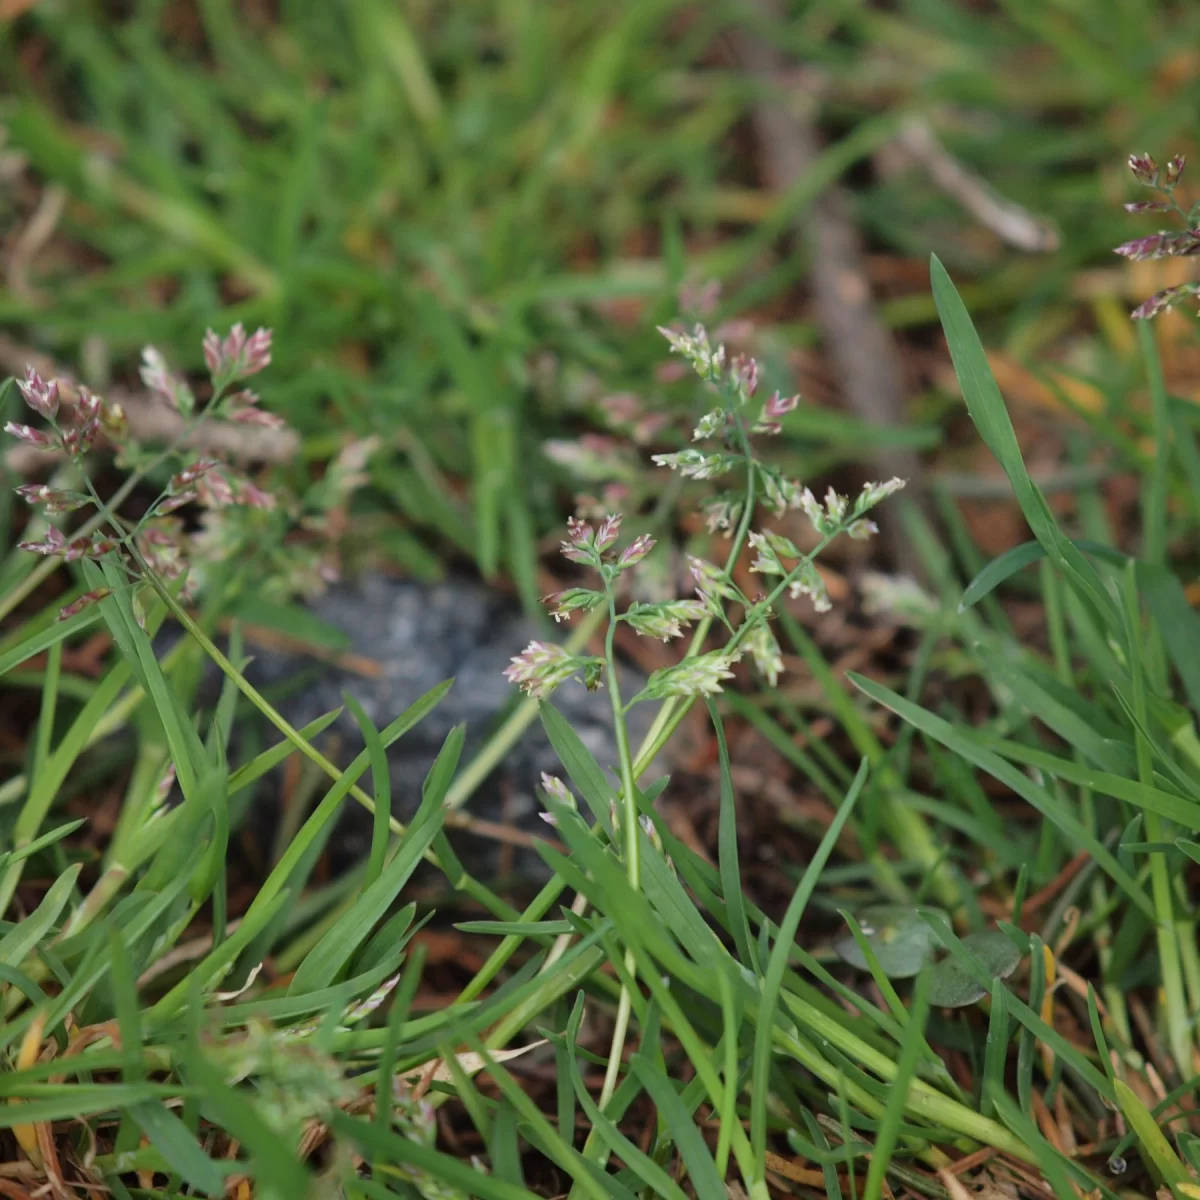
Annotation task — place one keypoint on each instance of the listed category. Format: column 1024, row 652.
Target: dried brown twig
column 1005, row 218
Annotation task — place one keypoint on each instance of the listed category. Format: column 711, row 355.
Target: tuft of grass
column 444, row 213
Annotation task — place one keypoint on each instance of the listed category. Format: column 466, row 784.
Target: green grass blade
column 727, row 847
column 1041, row 799
column 777, row 965
column 178, row 1146
column 889, row 1126
column 381, row 780
column 986, row 407
column 692, row 1147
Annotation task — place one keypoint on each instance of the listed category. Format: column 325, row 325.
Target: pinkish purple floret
column 41, row 396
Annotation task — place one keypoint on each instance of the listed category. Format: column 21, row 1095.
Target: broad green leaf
column 950, row 984
column 216, row 964
column 1057, row 716
column 995, row 1053
column 1177, row 621
column 59, row 1102
column 1055, row 1166
column 515, row 928
column 542, row 1134
column 1141, row 795
column 187, row 751
column 901, row 938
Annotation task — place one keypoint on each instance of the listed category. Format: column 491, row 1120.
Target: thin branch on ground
column 861, row 347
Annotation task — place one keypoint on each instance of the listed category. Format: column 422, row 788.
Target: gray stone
column 421, row 635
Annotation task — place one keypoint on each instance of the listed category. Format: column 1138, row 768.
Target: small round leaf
column 901, row 938
column 952, row 987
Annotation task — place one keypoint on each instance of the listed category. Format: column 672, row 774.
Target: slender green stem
column 524, row 715
column 666, row 720
column 48, row 566
column 630, row 823
column 672, row 713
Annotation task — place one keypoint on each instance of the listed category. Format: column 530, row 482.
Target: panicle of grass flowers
column 723, row 512
column 695, row 464
column 666, row 620
column 708, row 426
column 873, row 493
column 53, row 501
column 699, row 675
column 242, row 407
column 1182, row 243
column 542, row 667
column 626, row 413
column 580, row 546
column 1163, row 300
column 1164, row 244
column 593, row 458
column 743, row 378
column 554, row 789
column 635, row 551
column 557, row 790
column 808, row 582
column 763, row 648
column 706, row 360
column 776, row 408
column 237, row 356
column 1144, row 168
column 37, row 438
column 607, row 532
column 40, row 395
column 157, row 543
column 651, row 831
column 54, row 545
column 161, row 382
column 80, row 603
column 563, row 604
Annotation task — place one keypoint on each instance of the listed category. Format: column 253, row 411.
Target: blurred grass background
column 464, row 220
